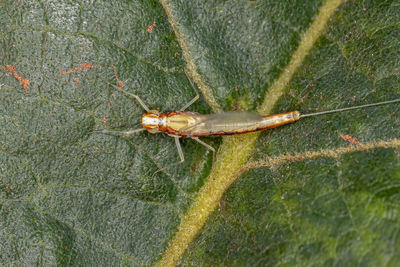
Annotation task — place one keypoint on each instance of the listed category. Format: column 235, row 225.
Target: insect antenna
column 144, row 106
column 123, row 133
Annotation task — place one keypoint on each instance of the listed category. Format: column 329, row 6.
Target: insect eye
column 152, row 128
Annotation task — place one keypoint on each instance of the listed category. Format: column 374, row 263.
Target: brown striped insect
column 194, row 125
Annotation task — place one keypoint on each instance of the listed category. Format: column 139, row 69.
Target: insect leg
column 204, row 144
column 180, row 152
column 129, row 94
column 195, row 98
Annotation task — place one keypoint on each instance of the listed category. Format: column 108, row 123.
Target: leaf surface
column 71, row 197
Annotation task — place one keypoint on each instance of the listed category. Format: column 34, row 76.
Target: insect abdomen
column 265, row 122
column 272, row 121
column 230, row 123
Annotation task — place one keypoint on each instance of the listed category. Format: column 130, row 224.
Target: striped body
column 193, row 124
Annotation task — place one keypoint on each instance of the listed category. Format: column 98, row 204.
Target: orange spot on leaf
column 150, row 27
column 67, row 72
column 81, row 67
column 120, row 83
column 86, row 66
column 351, row 140
column 104, row 120
column 22, row 81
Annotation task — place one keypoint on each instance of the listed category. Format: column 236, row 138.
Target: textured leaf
column 71, row 197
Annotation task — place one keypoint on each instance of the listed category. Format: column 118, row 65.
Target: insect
column 181, row 123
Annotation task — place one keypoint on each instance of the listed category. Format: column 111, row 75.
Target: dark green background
column 72, row 198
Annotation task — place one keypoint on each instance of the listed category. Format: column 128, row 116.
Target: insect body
column 194, row 125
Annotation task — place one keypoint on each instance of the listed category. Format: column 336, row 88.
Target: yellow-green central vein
column 235, row 150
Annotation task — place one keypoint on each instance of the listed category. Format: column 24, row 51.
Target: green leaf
column 74, row 198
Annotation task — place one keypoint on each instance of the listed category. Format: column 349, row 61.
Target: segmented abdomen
column 191, row 124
